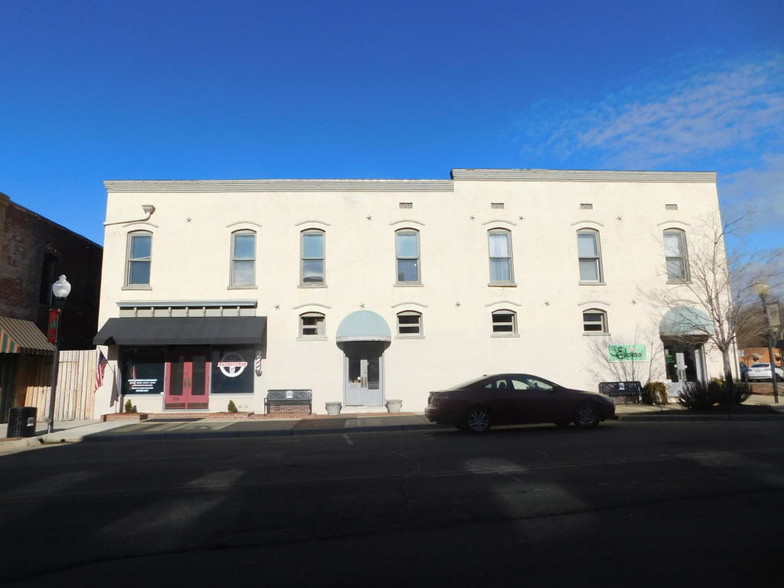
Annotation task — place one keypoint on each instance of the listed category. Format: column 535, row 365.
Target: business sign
column 53, row 325
column 627, row 353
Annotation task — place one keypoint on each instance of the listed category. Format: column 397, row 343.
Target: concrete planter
column 333, row 408
column 125, row 416
column 394, row 405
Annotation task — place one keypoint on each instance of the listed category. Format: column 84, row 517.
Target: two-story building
column 369, row 290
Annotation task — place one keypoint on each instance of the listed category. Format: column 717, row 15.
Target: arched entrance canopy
column 685, row 321
column 364, row 332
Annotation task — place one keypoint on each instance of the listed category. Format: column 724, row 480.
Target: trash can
column 21, row 421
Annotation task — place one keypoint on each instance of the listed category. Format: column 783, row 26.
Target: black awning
column 244, row 330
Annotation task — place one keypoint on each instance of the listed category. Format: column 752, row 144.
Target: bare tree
column 605, row 367
column 719, row 284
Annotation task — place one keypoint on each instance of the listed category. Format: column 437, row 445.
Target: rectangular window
column 312, row 268
column 243, row 259
column 675, row 253
column 499, row 242
column 407, row 254
column 139, row 257
column 504, row 322
column 590, row 256
column 409, row 323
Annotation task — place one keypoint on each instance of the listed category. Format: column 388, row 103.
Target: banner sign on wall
column 627, row 353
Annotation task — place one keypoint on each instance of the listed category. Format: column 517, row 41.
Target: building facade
column 34, row 251
column 363, row 291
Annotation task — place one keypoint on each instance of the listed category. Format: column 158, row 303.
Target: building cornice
column 553, row 175
column 142, row 186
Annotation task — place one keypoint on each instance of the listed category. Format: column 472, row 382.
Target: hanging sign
column 53, row 325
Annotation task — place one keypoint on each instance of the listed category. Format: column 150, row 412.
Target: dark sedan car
column 506, row 399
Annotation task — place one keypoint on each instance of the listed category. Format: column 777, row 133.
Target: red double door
column 187, row 380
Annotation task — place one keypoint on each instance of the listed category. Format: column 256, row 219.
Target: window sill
column 502, row 284
column 409, row 284
column 678, row 282
column 409, row 336
column 137, row 287
column 312, row 338
column 242, row 287
column 505, row 335
column 318, row 285
column 596, row 334
column 593, row 283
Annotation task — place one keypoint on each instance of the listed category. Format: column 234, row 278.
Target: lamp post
column 763, row 289
column 60, row 290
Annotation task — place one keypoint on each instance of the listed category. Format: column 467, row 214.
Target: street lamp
column 60, row 289
column 763, row 289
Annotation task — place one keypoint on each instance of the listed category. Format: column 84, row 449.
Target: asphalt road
column 640, row 504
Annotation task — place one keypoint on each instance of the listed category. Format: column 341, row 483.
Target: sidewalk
column 757, row 407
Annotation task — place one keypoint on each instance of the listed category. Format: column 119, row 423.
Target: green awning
column 19, row 336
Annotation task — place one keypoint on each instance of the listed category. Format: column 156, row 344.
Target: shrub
column 129, row 407
column 697, row 396
column 232, row 406
column 654, row 393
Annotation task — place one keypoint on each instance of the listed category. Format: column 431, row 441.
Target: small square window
column 586, row 206
column 409, row 323
column 594, row 321
column 670, row 207
column 504, row 322
column 406, row 205
column 496, row 205
column 311, row 325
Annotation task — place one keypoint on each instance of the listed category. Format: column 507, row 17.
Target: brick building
column 33, row 252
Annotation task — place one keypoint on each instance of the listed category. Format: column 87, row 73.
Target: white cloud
column 758, row 192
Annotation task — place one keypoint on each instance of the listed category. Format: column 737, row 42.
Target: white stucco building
column 367, row 290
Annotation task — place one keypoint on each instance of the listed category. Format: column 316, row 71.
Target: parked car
column 761, row 371
column 505, row 399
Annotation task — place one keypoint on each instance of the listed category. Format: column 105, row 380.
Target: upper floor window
column 312, row 264
column 504, row 322
column 676, row 256
column 409, row 323
column 139, row 258
column 407, row 255
column 500, row 245
column 243, row 258
column 590, row 255
column 594, row 321
column 311, row 324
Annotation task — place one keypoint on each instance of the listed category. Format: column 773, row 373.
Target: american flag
column 100, row 369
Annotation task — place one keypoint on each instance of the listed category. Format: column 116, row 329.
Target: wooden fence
column 75, row 386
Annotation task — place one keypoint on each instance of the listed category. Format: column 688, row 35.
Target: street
column 626, row 504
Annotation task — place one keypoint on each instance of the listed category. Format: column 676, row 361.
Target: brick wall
column 27, row 241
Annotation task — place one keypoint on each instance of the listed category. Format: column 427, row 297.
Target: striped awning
column 18, row 336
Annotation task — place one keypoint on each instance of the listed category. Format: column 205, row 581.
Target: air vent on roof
column 496, row 205
column 406, row 205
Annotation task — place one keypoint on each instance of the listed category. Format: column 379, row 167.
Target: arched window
column 594, row 321
column 243, row 258
column 407, row 256
column 311, row 324
column 500, row 246
column 312, row 262
column 589, row 252
column 504, row 322
column 676, row 256
column 409, row 322
column 137, row 272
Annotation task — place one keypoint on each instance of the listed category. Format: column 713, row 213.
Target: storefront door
column 363, row 385
column 187, row 380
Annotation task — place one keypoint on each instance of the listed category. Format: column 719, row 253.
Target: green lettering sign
column 627, row 353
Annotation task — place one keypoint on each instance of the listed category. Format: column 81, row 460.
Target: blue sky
column 194, row 89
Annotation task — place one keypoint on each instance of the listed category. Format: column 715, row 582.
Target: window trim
column 494, row 324
column 418, row 325
column 684, row 255
column 596, row 259
column 510, row 258
column 235, row 259
column 130, row 260
column 302, row 259
column 417, row 258
column 604, row 329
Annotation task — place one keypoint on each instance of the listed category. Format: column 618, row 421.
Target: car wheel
column 586, row 417
column 478, row 420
